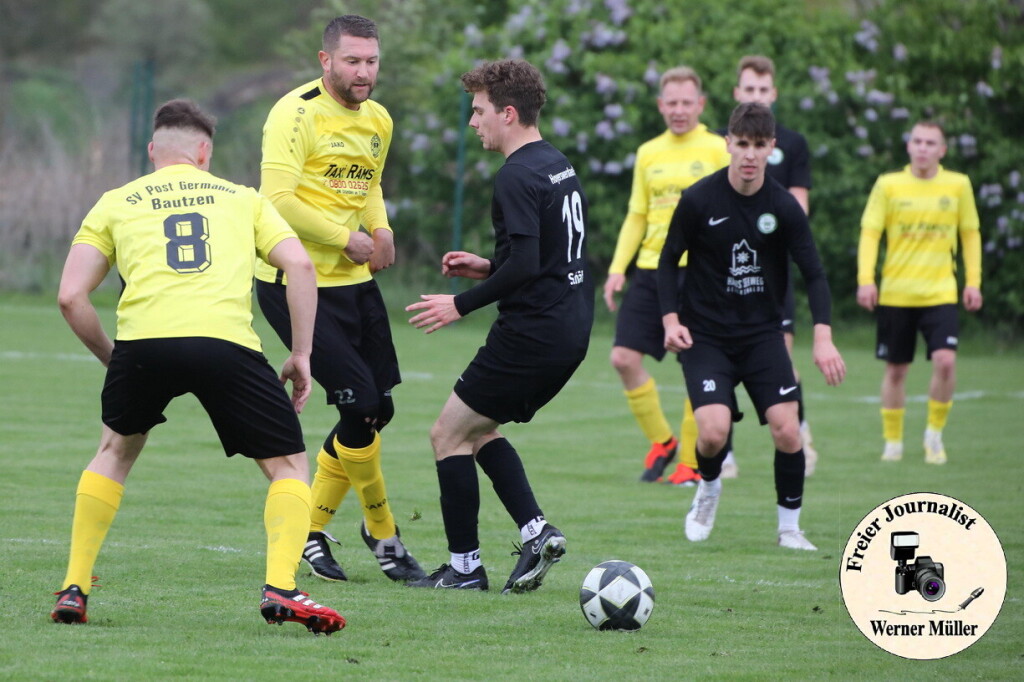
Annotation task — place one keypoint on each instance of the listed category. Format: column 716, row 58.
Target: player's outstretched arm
column 677, row 336
column 438, row 310
column 465, row 264
column 827, row 357
column 84, row 269
column 289, row 255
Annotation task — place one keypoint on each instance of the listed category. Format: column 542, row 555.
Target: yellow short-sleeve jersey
column 921, row 220
column 338, row 156
column 665, row 167
column 186, row 244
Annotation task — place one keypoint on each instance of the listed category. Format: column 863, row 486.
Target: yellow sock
column 645, row 405
column 363, row 468
column 330, row 483
column 96, row 504
column 688, row 437
column 286, row 518
column 937, row 414
column 892, row 425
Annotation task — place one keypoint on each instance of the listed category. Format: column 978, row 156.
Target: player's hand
column 867, row 296
column 296, row 370
column 827, row 357
column 465, row 264
column 972, row 299
column 360, row 247
column 438, row 311
column 612, row 286
column 383, row 256
column 677, row 336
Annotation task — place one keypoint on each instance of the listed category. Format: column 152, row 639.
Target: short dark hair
column 186, row 115
column 753, row 121
column 509, row 82
column 348, row 25
column 757, row 63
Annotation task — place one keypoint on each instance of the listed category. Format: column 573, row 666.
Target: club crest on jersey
column 944, row 203
column 776, row 157
column 375, row 145
column 766, row 223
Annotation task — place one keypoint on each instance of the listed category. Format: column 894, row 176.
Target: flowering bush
column 852, row 84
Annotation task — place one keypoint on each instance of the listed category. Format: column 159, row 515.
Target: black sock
column 460, row 502
column 502, row 464
column 711, row 467
column 789, row 478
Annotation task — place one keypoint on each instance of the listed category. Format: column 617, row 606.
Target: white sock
column 713, row 488
column 789, row 519
column 532, row 528
column 466, row 562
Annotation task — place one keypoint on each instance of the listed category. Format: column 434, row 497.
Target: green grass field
column 183, row 563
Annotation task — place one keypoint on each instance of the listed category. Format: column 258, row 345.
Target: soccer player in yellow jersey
column 185, row 243
column 665, row 167
column 324, row 147
column 921, row 210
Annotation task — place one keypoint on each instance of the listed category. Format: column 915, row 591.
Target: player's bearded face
column 351, row 70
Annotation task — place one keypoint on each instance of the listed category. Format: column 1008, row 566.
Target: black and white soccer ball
column 616, row 595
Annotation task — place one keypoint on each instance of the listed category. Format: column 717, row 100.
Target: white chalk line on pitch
column 430, row 376
column 49, row 541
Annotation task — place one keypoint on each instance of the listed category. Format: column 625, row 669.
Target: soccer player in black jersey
column 741, row 229
column 540, row 281
column 790, row 164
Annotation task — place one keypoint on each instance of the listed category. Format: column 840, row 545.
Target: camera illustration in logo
column 923, row 575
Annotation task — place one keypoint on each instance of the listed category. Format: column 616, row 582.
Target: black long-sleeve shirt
column 737, row 265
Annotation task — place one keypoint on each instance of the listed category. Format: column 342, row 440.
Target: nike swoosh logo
column 787, row 391
column 793, row 499
column 712, row 221
column 442, row 583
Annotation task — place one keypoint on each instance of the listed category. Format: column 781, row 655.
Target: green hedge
column 852, row 82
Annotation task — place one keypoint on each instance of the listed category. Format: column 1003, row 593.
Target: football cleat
column 70, row 607
column 701, row 517
column 934, row 451
column 536, row 557
column 446, row 577
column 657, row 459
column 794, row 539
column 279, row 606
column 893, row 451
column 317, row 554
column 394, row 559
column 730, row 468
column 684, row 476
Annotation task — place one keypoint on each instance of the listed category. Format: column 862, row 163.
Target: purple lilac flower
column 899, row 52
column 604, row 84
column 1014, row 178
column 613, row 111
column 604, row 130
column 613, row 168
column 984, row 89
column 619, row 11
column 867, row 36
column 997, row 58
column 871, row 115
column 622, row 127
column 900, row 113
column 807, row 103
column 877, row 97
column 561, row 126
column 865, row 150
column 651, row 75
column 581, row 142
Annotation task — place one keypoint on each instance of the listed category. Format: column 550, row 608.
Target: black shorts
column 638, row 326
column 508, row 391
column 713, row 369
column 354, row 356
column 898, row 327
column 248, row 406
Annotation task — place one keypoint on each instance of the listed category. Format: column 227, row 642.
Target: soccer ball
column 616, row 595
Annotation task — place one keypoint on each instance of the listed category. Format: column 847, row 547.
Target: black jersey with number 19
column 546, row 318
